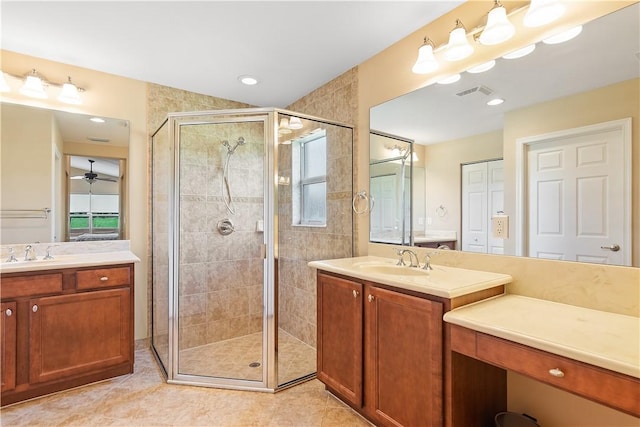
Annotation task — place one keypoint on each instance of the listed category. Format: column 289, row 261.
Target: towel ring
column 362, row 195
column 441, row 211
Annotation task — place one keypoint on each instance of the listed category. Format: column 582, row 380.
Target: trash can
column 512, row 419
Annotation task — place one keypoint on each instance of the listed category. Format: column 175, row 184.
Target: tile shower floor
column 233, row 358
column 144, row 399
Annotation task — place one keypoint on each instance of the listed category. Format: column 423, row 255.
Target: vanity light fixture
column 69, row 93
column 519, row 53
column 451, row 79
column 426, row 61
column 563, row 36
column 486, row 66
column 33, row 86
column 543, row 12
column 495, row 101
column 498, row 28
column 458, row 47
column 295, row 123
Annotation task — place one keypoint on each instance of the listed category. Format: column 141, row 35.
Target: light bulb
column 542, row 12
column 426, row 61
column 486, row 66
column 69, row 94
column 564, row 36
column 498, row 28
column 458, row 47
column 519, row 53
column 33, row 86
column 295, row 123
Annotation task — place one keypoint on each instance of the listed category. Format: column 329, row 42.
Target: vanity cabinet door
column 403, row 339
column 8, row 344
column 340, row 336
column 79, row 333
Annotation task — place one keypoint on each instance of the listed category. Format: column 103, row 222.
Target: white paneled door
column 575, row 195
column 482, row 197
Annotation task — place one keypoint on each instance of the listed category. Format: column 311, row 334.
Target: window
column 312, row 182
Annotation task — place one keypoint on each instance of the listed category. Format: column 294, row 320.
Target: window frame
column 316, row 179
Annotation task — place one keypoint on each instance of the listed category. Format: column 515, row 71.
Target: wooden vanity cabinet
column 68, row 327
column 381, row 351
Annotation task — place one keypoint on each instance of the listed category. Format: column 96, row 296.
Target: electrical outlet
column 500, row 226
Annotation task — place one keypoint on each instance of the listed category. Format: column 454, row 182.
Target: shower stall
column 242, row 200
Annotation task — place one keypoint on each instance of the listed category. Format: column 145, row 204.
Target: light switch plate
column 500, row 226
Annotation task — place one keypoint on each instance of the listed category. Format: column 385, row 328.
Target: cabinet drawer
column 103, row 277
column 616, row 390
column 30, row 285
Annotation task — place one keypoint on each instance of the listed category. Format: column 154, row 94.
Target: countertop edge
column 571, row 352
column 72, row 261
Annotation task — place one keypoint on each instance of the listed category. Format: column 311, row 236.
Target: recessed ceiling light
column 520, row 52
column 564, row 36
column 495, row 101
column 248, row 80
column 482, row 67
column 448, row 80
column 97, row 120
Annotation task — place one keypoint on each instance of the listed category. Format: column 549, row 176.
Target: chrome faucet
column 412, row 256
column 48, row 255
column 12, row 256
column 29, row 253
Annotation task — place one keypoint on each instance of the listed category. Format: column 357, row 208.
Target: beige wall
column 27, row 160
column 110, row 96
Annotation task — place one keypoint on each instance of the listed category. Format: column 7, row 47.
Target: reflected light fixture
column 4, row 87
column 495, row 101
column 542, row 12
column 295, row 123
column 33, row 86
column 284, row 129
column 486, row 66
column 451, row 79
column 564, row 36
column 498, row 28
column 519, row 53
column 458, row 47
column 426, row 61
column 70, row 93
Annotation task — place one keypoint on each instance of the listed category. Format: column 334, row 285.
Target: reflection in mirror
column 37, row 145
column 94, row 203
column 560, row 93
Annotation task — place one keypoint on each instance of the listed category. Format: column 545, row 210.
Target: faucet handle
column 12, row 256
column 427, row 262
column 400, row 253
column 48, row 255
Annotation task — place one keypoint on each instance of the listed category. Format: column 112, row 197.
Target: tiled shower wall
column 337, row 100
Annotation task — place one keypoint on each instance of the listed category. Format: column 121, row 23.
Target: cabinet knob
column 104, row 278
column 355, row 293
column 556, row 372
column 34, row 308
column 371, row 298
column 8, row 312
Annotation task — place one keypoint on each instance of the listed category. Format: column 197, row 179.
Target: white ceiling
column 293, row 47
column 606, row 52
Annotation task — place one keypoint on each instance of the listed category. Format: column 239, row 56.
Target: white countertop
column 69, row 261
column 608, row 340
column 446, row 282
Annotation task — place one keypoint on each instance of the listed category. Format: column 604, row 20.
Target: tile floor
column 231, row 358
column 144, row 399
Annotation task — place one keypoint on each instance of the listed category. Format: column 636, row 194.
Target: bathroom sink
column 394, row 270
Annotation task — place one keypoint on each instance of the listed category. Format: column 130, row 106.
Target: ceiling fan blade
column 77, row 177
column 106, row 179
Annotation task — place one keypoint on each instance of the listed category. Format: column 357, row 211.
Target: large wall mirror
column 63, row 176
column 556, row 163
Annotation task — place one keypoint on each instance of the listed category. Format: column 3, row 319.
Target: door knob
column 355, row 293
column 34, row 308
column 9, row 312
column 613, row 248
column 370, row 298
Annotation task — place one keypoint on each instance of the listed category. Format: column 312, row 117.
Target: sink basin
column 394, row 270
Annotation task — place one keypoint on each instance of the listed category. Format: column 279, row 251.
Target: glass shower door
column 221, row 249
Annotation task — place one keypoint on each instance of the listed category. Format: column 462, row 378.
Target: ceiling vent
column 482, row 89
column 96, row 139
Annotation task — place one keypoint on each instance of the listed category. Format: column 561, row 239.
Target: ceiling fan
column 91, row 176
